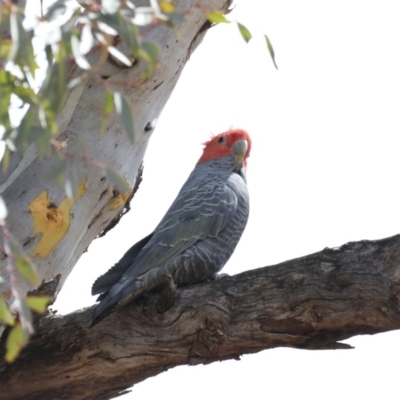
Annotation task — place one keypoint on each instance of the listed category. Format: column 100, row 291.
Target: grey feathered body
column 193, row 241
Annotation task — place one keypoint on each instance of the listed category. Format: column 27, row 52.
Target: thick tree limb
column 312, row 302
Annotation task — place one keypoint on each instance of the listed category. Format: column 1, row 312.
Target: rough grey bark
column 312, row 302
column 79, row 122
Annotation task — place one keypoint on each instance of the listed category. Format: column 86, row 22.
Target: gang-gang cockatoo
column 197, row 235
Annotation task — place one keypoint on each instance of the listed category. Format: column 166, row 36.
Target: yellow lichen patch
column 53, row 222
column 118, row 201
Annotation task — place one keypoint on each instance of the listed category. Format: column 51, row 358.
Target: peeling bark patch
column 119, row 200
column 52, row 221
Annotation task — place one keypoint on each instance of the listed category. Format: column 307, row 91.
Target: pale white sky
column 323, row 171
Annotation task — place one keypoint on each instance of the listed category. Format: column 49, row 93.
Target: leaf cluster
column 18, row 316
column 216, row 17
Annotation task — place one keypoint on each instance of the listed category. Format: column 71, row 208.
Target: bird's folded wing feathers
column 198, row 212
column 104, row 282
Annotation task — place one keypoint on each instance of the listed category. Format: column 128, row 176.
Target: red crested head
column 233, row 142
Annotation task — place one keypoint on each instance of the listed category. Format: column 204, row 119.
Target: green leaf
column 26, row 94
column 6, row 159
column 124, row 111
column 119, row 56
column 24, row 130
column 4, row 22
column 152, row 50
column 167, row 7
column 271, row 50
column 54, row 88
column 76, row 52
column 87, row 39
column 129, row 34
column 74, row 82
column 117, row 180
column 56, row 10
column 26, row 268
column 24, row 314
column 49, row 54
column 217, row 17
column 109, row 22
column 107, row 110
column 16, row 340
column 3, row 209
column 143, row 16
column 110, row 6
column 246, row 35
column 21, row 52
column 38, row 303
column 17, row 36
column 5, row 314
column 41, row 137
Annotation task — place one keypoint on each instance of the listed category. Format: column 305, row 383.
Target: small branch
column 312, row 302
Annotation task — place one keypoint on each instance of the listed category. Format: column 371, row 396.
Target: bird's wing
column 201, row 209
column 113, row 275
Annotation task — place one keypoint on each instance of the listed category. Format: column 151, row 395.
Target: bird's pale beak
column 239, row 149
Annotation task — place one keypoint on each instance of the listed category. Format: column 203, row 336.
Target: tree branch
column 312, row 302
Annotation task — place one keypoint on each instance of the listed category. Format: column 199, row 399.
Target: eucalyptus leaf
column 124, row 111
column 117, row 180
column 54, row 87
column 167, row 7
column 107, row 110
column 246, row 35
column 110, row 6
column 217, row 17
column 26, row 268
column 38, row 303
column 129, row 34
column 56, row 10
column 3, row 209
column 6, row 159
column 87, row 39
column 5, row 314
column 80, row 59
column 119, row 56
column 271, row 50
column 143, row 16
column 16, row 340
column 21, row 52
column 152, row 50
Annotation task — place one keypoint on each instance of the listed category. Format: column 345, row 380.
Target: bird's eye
column 221, row 139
